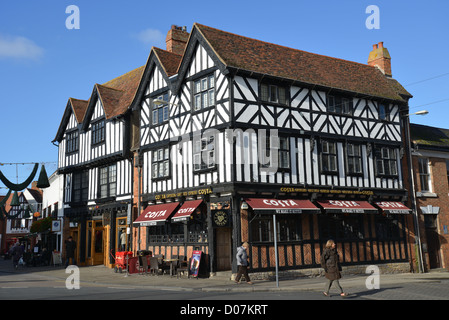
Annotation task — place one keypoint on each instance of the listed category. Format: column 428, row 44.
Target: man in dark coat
column 70, row 247
column 17, row 253
column 331, row 265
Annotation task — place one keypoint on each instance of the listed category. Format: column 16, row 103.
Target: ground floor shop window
column 289, row 228
column 387, row 227
column 341, row 227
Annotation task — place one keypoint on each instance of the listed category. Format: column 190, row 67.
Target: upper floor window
column 72, row 141
column 98, row 132
column 108, row 181
column 161, row 163
column 354, row 158
column 283, row 153
column 273, row 93
column 328, row 156
column 204, row 92
column 339, row 104
column 424, row 174
column 383, row 112
column 386, row 161
column 204, row 153
column 160, row 110
column 80, row 186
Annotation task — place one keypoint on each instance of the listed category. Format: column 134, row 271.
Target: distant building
column 430, row 156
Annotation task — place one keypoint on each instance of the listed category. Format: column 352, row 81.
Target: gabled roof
column 78, row 108
column 168, row 62
column 116, row 95
column 264, row 58
column 429, row 137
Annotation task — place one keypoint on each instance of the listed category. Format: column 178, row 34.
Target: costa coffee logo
column 186, row 210
column 280, row 203
column 387, row 204
column 155, row 214
column 346, row 204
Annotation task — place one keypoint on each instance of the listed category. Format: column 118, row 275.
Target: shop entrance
column 224, row 249
column 433, row 242
column 95, row 242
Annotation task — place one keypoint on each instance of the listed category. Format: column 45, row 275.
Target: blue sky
column 42, row 63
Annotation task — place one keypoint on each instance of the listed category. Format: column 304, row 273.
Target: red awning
column 347, row 206
column 272, row 206
column 186, row 210
column 393, row 207
column 156, row 214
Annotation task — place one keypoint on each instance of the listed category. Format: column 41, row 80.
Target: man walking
column 242, row 263
column 70, row 247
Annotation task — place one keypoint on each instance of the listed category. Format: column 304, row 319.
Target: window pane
column 211, row 97
column 197, row 86
column 204, row 100
column 211, row 82
column 197, row 102
column 273, row 94
column 204, row 84
column 282, row 96
column 264, row 92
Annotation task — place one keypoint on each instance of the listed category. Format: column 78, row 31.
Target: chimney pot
column 176, row 39
column 380, row 58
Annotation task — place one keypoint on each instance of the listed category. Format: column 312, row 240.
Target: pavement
column 101, row 275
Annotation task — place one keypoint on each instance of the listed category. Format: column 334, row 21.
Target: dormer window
column 160, row 110
column 204, row 93
column 72, row 139
column 98, row 132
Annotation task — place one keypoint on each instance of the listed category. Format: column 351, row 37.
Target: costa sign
column 347, row 206
column 282, row 206
column 280, row 203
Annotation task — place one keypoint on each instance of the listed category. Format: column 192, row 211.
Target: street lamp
column 413, row 194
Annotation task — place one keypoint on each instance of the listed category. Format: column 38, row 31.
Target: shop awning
column 393, row 207
column 186, row 210
column 158, row 214
column 347, row 206
column 275, row 206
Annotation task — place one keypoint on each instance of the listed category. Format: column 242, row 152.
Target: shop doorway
column 95, row 242
column 224, row 249
column 433, row 242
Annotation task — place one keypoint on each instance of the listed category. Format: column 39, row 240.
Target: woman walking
column 331, row 265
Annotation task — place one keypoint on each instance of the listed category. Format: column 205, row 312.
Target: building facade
column 201, row 146
column 431, row 168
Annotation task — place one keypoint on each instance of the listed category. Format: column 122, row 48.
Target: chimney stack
column 380, row 57
column 176, row 40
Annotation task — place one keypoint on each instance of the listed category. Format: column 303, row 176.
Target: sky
column 44, row 62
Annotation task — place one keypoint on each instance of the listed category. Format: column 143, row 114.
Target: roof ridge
column 283, row 46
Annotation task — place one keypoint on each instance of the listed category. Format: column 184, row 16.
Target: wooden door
column 98, row 243
column 224, row 249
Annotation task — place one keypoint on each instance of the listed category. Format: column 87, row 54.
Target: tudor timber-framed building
column 223, row 128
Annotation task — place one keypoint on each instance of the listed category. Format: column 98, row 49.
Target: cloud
column 152, row 37
column 17, row 47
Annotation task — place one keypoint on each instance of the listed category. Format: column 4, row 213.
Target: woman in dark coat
column 331, row 265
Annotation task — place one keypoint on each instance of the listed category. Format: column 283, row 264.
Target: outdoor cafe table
column 172, row 264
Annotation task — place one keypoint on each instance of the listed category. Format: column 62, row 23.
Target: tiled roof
column 278, row 61
column 170, row 61
column 429, row 136
column 117, row 94
column 79, row 108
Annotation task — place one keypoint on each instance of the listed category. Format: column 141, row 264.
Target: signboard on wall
column 56, row 226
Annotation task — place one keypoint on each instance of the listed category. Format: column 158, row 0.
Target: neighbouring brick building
column 430, row 156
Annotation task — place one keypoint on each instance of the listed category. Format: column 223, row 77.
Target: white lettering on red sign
column 186, row 210
column 347, row 204
column 280, row 203
column 155, row 214
column 391, row 205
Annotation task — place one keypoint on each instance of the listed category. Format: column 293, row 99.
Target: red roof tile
column 283, row 62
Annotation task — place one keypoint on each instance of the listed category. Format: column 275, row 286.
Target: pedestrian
column 17, row 253
column 331, row 265
column 123, row 240
column 70, row 247
column 242, row 263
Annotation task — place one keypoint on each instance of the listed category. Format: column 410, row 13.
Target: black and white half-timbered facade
column 219, row 132
column 239, row 129
column 95, row 159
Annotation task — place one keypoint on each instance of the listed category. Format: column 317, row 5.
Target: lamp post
column 413, row 194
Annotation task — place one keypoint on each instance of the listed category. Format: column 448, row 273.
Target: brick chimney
column 380, row 57
column 176, row 40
